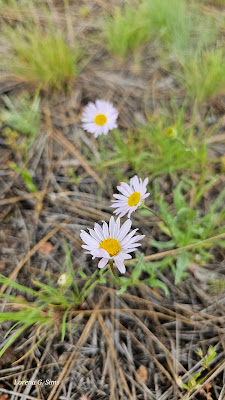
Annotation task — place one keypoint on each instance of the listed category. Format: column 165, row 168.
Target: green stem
column 112, row 269
column 86, row 288
column 84, row 295
column 180, row 141
column 158, row 216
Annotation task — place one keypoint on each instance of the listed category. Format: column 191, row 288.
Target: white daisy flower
column 111, row 242
column 99, row 118
column 131, row 197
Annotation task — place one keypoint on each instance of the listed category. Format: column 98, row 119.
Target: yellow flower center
column 111, row 245
column 171, row 132
column 100, row 119
column 134, row 199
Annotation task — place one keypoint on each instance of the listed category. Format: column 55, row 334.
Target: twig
column 172, row 252
column 21, row 198
column 73, row 150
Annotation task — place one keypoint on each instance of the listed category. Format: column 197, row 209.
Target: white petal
column 119, row 203
column 136, row 183
column 131, row 210
column 105, row 230
column 132, row 250
column 120, row 197
column 127, row 187
column 94, row 235
column 120, row 265
column 102, row 263
column 88, row 239
column 111, row 227
column 99, row 231
column 145, row 182
column 123, row 256
column 120, row 214
column 131, row 246
column 105, row 129
column 128, row 237
column 100, row 253
column 116, row 228
column 124, row 230
column 89, row 248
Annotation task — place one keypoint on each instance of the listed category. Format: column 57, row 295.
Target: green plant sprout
column 187, row 226
column 25, row 174
column 181, row 27
column 41, row 55
column 165, row 144
column 22, row 115
column 217, row 286
column 49, row 306
column 22, row 120
column 197, row 380
column 202, row 75
column 52, row 303
column 126, row 30
column 134, row 279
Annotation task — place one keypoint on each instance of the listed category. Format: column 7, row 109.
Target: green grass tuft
column 153, row 150
column 44, row 59
column 183, row 29
column 186, row 225
column 126, row 30
column 203, row 75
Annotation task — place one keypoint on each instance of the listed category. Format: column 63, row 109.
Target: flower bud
column 65, row 280
column 171, row 132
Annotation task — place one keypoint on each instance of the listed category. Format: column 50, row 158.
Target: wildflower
column 99, row 118
column 111, row 242
column 131, row 197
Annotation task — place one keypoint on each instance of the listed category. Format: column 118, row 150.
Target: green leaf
column 160, row 284
column 164, row 228
column 31, row 187
column 203, row 188
column 144, row 212
column 82, row 273
column 163, row 245
column 179, row 199
column 185, row 386
column 102, row 278
column 25, row 173
column 122, row 290
column 221, row 243
column 137, row 270
column 64, row 324
column 181, row 266
column 15, row 285
column 14, row 337
column 11, row 329
column 185, row 215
